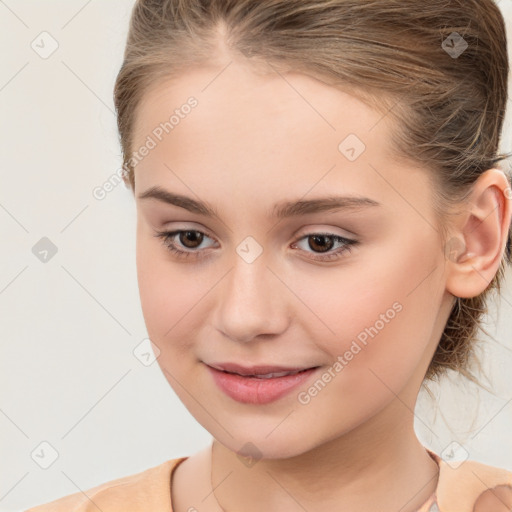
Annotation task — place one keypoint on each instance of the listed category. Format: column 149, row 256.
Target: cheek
column 380, row 314
column 169, row 293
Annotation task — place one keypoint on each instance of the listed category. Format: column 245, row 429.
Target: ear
column 478, row 240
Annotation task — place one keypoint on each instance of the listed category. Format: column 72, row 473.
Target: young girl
column 321, row 217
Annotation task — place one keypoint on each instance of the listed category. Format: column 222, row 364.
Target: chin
column 255, row 446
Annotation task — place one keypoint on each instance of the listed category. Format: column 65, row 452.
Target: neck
column 381, row 464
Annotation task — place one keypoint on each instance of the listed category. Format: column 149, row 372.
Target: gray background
column 69, row 326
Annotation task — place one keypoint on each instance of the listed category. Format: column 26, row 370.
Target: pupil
column 186, row 235
column 316, row 238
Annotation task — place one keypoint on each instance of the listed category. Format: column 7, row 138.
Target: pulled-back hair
column 401, row 57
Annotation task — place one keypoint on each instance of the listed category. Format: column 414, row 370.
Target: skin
column 254, row 141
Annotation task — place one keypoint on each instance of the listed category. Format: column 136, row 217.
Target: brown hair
column 399, row 56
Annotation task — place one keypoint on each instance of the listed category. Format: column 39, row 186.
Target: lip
column 254, row 390
column 257, row 369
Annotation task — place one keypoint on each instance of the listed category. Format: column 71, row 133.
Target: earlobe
column 477, row 246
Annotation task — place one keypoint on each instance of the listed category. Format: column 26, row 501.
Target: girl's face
column 252, row 287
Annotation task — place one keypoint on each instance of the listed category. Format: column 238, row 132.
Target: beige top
column 470, row 487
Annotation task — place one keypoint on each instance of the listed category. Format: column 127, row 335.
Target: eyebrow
column 280, row 210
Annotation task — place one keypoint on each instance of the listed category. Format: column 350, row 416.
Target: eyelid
column 199, row 229
column 316, row 229
column 303, row 231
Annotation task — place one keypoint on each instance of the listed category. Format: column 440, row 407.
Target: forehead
column 237, row 96
column 253, row 132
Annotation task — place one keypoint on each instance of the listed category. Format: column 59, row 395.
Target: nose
column 252, row 301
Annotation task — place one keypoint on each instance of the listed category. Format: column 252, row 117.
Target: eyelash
column 166, row 237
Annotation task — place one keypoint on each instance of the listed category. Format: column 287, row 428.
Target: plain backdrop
column 74, row 397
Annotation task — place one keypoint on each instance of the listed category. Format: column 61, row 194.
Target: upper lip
column 258, row 369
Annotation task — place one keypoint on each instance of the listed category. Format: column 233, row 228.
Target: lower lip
column 251, row 390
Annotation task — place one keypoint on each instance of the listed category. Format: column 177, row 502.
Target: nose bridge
column 250, row 302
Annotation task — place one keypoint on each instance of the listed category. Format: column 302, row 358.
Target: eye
column 184, row 243
column 190, row 239
column 324, row 242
